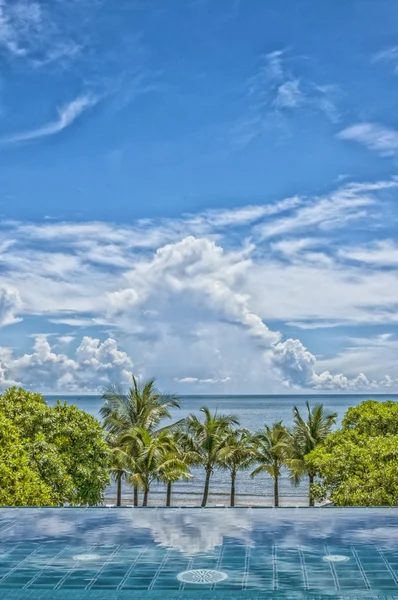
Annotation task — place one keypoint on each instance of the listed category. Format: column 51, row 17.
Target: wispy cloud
column 67, row 115
column 289, row 94
column 327, row 212
column 383, row 253
column 277, row 89
column 192, row 282
column 387, row 55
column 18, row 22
column 378, row 138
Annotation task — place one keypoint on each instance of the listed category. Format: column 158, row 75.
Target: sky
column 202, row 192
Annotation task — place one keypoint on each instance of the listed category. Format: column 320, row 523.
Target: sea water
column 253, row 413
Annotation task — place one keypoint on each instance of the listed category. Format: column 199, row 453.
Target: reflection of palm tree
column 143, row 406
column 271, row 451
column 305, row 436
column 237, row 454
column 205, row 441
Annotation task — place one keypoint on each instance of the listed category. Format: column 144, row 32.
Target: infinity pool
column 108, row 553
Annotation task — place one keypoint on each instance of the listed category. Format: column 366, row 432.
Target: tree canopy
column 60, row 451
column 358, row 464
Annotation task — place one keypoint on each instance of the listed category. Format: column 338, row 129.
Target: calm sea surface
column 253, row 412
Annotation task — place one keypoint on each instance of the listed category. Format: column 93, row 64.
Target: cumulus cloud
column 202, row 300
column 94, row 365
column 66, row 116
column 378, row 138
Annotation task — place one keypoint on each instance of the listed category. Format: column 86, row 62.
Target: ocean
column 253, row 412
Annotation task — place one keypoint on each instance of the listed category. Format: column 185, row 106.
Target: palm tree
column 154, row 457
column 143, row 406
column 271, row 451
column 305, row 436
column 118, row 468
column 205, row 441
column 237, row 454
column 175, row 466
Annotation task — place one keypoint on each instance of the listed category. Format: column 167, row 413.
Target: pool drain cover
column 86, row 557
column 336, row 558
column 202, row 576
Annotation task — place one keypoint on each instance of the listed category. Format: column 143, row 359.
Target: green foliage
column 358, row 465
column 373, row 418
column 272, row 448
column 206, row 440
column 306, row 435
column 64, row 446
column 20, row 484
column 143, row 406
column 124, row 415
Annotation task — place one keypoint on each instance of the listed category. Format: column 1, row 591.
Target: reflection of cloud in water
column 196, row 530
column 387, row 537
column 199, row 531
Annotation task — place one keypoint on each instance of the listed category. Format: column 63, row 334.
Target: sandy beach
column 215, row 500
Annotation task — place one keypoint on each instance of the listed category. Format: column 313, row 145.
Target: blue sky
column 200, row 191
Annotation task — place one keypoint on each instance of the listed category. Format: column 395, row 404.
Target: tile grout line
column 303, row 568
column 360, row 567
column 333, row 571
column 22, row 562
column 218, row 564
column 246, row 567
column 131, row 567
column 274, row 569
column 388, row 566
column 189, row 567
column 101, row 569
column 71, row 570
column 11, row 550
column 39, row 573
column 159, row 569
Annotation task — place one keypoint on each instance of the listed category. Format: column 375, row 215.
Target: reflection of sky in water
column 256, row 548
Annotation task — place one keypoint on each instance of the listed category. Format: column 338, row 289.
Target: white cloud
column 18, row 20
column 94, row 365
column 330, row 211
column 10, row 303
column 274, row 92
column 67, row 115
column 202, row 300
column 289, row 95
column 32, row 31
column 66, row 339
column 383, row 253
column 378, row 138
column 292, row 247
column 388, row 55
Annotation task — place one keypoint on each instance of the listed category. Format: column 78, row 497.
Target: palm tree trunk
column 276, row 491
column 135, row 487
column 145, row 499
column 311, row 481
column 168, row 494
column 233, row 477
column 206, row 490
column 119, row 490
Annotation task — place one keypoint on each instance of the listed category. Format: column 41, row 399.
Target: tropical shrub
column 358, row 464
column 62, row 446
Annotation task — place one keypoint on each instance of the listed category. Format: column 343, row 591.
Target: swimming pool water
column 73, row 553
